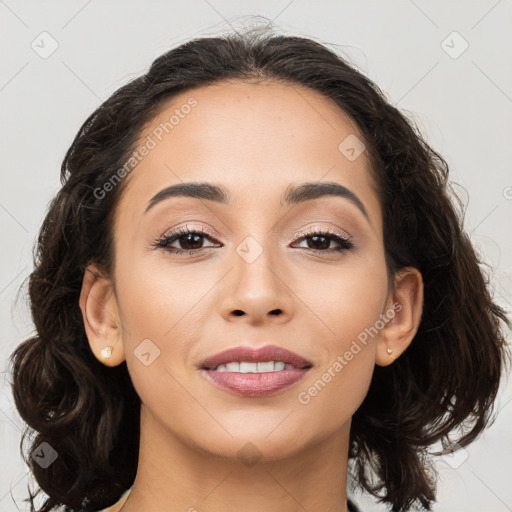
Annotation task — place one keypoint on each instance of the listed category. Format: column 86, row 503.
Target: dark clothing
column 352, row 507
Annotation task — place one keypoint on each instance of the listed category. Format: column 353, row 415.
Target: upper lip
column 266, row 353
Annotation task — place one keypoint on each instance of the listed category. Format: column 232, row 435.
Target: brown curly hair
column 446, row 380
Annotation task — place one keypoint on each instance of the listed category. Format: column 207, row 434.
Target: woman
column 252, row 285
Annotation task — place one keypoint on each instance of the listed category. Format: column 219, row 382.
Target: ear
column 406, row 301
column 100, row 314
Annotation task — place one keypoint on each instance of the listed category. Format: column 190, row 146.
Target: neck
column 175, row 473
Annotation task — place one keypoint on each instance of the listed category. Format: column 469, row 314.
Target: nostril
column 238, row 312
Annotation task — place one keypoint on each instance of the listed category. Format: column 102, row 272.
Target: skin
column 255, row 140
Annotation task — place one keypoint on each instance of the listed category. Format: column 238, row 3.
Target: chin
column 244, row 445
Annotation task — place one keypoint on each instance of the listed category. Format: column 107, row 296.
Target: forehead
column 255, row 138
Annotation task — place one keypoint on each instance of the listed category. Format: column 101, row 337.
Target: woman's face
column 257, row 276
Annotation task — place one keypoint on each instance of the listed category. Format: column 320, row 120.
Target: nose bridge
column 257, row 286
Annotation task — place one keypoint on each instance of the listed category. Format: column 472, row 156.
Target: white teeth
column 266, row 367
column 248, row 367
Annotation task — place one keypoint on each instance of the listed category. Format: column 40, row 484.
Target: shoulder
column 116, row 506
column 84, row 508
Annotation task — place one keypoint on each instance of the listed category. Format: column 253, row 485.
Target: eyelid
column 187, row 227
column 301, row 232
column 317, row 228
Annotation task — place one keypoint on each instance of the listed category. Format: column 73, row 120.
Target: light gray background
column 462, row 103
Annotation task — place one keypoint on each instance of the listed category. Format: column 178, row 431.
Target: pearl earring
column 107, row 351
column 389, row 351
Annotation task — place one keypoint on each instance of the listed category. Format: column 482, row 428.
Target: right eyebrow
column 209, row 191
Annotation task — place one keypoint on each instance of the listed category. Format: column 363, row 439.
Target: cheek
column 159, row 308
column 155, row 296
column 348, row 307
column 167, row 305
column 331, row 397
column 346, row 300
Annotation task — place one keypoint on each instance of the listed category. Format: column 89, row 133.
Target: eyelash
column 345, row 244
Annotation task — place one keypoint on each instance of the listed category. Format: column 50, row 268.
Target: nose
column 257, row 291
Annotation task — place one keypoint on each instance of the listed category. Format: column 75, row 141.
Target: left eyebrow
column 307, row 191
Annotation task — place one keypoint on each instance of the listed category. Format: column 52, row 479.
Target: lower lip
column 255, row 384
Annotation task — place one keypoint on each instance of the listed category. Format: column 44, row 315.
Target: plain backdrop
column 446, row 63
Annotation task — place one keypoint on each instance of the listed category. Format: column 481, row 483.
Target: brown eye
column 320, row 242
column 184, row 240
column 190, row 241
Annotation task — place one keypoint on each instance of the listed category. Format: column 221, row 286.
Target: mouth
column 250, row 372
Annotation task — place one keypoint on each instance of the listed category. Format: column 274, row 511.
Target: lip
column 255, row 384
column 253, row 355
